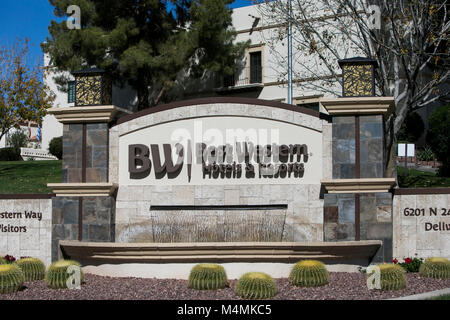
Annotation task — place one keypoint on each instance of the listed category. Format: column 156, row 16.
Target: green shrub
column 309, row 273
column 55, row 147
column 438, row 137
column 425, row 154
column 11, row 278
column 56, row 275
column 207, row 276
column 256, row 285
column 32, row 268
column 9, row 154
column 18, row 139
column 438, row 268
column 392, row 277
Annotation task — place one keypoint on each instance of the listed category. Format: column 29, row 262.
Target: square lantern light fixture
column 93, row 87
column 358, row 77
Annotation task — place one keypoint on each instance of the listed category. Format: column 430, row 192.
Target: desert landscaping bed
column 342, row 286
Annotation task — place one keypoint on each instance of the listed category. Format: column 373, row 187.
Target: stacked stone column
column 84, row 204
column 358, row 202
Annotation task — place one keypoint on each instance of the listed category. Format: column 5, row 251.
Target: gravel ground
column 342, row 286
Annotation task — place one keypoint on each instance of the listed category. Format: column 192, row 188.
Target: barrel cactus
column 309, row 273
column 32, row 268
column 2, row 260
column 11, row 278
column 392, row 277
column 256, row 285
column 438, row 268
column 207, row 276
column 57, row 275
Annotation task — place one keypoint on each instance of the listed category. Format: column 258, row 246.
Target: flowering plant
column 10, row 259
column 409, row 264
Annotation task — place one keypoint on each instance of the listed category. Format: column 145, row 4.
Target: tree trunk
column 392, row 128
column 160, row 95
column 143, row 94
column 391, row 159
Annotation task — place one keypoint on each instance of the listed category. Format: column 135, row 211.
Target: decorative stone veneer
column 64, row 221
column 97, row 152
column 327, row 150
column 301, row 221
column 98, row 220
column 376, row 222
column 339, row 217
column 343, row 147
column 371, row 146
column 410, row 236
column 36, row 241
column 72, row 153
column 375, row 219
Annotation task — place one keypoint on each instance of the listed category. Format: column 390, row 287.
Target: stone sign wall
column 421, row 223
column 26, row 226
column 301, row 217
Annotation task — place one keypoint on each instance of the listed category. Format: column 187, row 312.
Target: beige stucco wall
column 410, row 235
column 35, row 237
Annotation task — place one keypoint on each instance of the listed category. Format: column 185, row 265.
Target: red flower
column 408, row 260
column 395, row 261
column 10, row 258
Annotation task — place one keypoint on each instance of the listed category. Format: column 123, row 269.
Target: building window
column 71, row 92
column 255, row 67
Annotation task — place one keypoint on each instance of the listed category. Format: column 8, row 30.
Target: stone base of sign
column 90, row 253
column 181, row 270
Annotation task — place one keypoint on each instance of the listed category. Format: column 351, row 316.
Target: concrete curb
column 426, row 295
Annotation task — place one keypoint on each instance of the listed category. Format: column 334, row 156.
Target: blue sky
column 30, row 18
